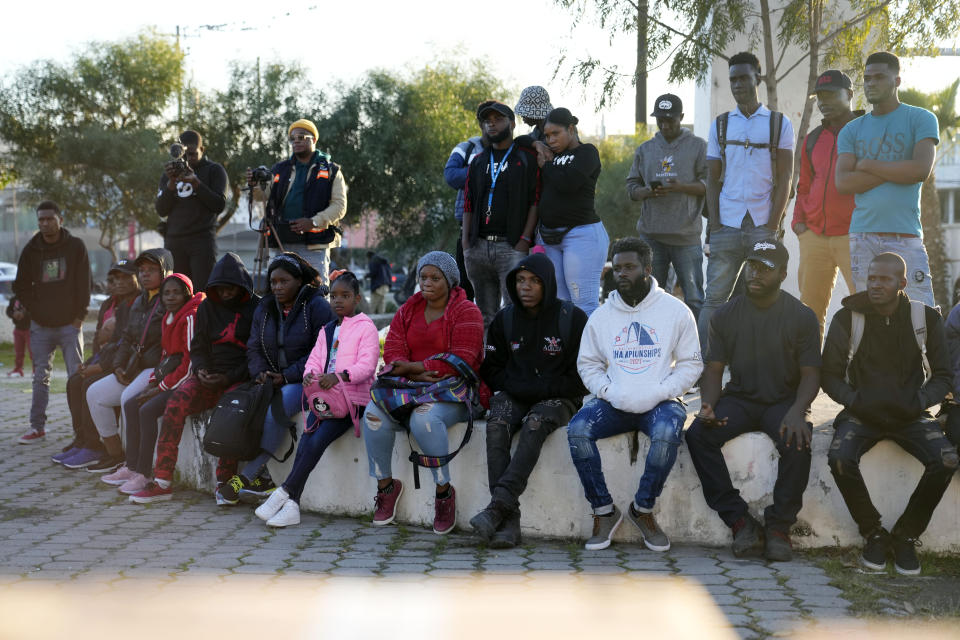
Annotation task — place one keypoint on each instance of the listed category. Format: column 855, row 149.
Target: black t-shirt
column 764, row 348
column 497, row 225
column 569, row 187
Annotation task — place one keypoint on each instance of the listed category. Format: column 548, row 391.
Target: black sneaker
column 107, row 464
column 777, row 547
column 257, row 489
column 230, row 490
column 486, row 523
column 746, row 537
column 905, row 556
column 508, row 535
column 876, row 549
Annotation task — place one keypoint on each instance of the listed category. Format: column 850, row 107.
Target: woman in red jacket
column 437, row 320
column 141, row 412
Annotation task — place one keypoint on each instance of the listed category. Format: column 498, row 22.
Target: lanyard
column 495, row 171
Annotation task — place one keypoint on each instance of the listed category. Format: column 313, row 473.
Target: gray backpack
column 918, row 317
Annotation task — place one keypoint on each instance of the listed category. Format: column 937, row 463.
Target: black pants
column 464, row 280
column 143, row 426
column 923, row 439
column 194, row 256
column 743, row 417
column 953, row 424
column 508, row 476
column 84, row 431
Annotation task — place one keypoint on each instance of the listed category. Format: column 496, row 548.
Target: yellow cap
column 303, row 123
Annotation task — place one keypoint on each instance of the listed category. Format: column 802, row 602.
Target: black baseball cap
column 493, row 105
column 833, row 79
column 667, row 106
column 769, row 252
column 123, row 266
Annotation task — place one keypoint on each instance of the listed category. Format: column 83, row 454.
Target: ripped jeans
column 428, row 425
column 598, row 419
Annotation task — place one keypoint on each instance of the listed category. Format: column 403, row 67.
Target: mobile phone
column 655, row 184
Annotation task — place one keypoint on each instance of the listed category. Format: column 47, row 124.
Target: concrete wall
column 554, row 505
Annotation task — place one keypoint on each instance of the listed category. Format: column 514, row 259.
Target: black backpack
column 236, row 425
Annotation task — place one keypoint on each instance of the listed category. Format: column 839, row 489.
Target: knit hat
column 303, row 123
column 534, row 103
column 443, row 261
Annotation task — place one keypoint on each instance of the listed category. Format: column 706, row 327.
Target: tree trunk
column 934, row 242
column 768, row 54
column 640, row 112
column 815, row 17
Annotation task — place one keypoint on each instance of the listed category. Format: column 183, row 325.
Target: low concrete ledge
column 554, row 506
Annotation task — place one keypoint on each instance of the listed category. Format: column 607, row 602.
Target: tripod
column 265, row 231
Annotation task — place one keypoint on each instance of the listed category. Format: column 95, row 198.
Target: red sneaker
column 386, row 505
column 152, row 493
column 445, row 509
column 32, row 437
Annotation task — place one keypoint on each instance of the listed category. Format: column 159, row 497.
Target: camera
column 261, row 174
column 179, row 163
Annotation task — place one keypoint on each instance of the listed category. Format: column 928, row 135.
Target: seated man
column 886, row 388
column 531, row 364
column 640, row 353
column 771, row 342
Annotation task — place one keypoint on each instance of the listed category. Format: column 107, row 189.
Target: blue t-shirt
column 889, row 207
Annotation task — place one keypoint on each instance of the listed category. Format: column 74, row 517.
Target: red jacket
column 819, row 205
column 176, row 338
column 464, row 335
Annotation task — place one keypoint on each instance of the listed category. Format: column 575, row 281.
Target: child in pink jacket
column 350, row 360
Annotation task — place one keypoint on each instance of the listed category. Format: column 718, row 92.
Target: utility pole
column 179, row 85
column 640, row 113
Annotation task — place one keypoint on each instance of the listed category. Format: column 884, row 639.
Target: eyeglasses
column 300, row 137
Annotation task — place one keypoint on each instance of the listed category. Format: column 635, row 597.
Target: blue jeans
column 274, row 434
column 310, row 449
column 865, row 246
column 578, row 262
column 728, row 250
column 43, row 344
column 598, row 419
column 687, row 261
column 428, row 425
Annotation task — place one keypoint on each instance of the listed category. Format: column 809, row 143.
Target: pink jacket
column 358, row 352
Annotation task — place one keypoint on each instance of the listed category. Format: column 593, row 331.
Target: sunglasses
column 300, row 137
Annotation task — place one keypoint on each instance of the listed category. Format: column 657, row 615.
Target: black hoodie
column 535, row 362
column 53, row 280
column 144, row 326
column 886, row 387
column 223, row 328
column 192, row 213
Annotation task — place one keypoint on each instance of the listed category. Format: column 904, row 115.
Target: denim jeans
column 43, row 344
column 428, row 425
column 865, row 246
column 488, row 264
column 275, row 435
column 924, row 440
column 687, row 261
column 309, row 450
column 578, row 261
column 728, row 250
column 142, row 423
column 598, row 419
column 744, row 416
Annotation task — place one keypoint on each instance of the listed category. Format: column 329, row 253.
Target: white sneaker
column 287, row 516
column 272, row 504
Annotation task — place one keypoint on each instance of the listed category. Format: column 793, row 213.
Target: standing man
column 500, row 208
column 53, row 286
column 308, row 197
column 639, row 354
column 378, row 271
column 455, row 174
column 190, row 202
column 885, row 156
column 886, row 389
column 771, row 342
column 668, row 177
column 749, row 169
column 821, row 216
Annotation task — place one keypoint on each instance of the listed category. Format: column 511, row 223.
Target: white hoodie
column 637, row 357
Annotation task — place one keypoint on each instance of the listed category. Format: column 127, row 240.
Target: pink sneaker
column 446, row 513
column 118, row 477
column 386, row 505
column 136, row 484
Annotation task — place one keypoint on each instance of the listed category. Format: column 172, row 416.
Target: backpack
column 236, row 425
column 918, row 317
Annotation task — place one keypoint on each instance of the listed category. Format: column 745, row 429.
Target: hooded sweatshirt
column 536, row 362
column 223, row 328
column 189, row 212
column 886, row 388
column 144, row 329
column 53, row 280
column 178, row 330
column 676, row 218
column 637, row 357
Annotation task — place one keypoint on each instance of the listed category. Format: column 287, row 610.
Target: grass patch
column 25, row 385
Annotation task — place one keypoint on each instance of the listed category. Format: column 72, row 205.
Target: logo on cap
column 761, row 246
column 666, row 105
column 824, row 80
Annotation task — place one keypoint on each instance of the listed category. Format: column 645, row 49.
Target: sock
column 163, row 484
column 387, row 489
column 444, row 494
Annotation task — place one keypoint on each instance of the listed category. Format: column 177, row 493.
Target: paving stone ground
column 67, row 529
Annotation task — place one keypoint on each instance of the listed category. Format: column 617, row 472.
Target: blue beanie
column 443, row 261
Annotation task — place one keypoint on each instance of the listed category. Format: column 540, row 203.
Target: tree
column 87, row 134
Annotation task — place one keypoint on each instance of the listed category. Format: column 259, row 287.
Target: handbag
column 236, row 426
column 167, row 366
column 135, row 358
column 399, row 396
column 327, row 403
column 553, row 236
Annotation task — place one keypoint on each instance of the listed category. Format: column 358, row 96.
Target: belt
column 886, row 234
column 495, row 238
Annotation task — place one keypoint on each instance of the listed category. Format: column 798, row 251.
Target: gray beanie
column 443, row 261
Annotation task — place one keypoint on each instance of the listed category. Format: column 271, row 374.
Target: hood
column 39, row 243
column 190, row 307
column 616, row 301
column 684, row 133
column 230, row 270
column 182, row 277
column 541, row 266
column 860, row 302
column 159, row 256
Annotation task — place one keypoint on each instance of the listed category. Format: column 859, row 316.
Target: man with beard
column 771, row 342
column 639, row 353
column 899, row 368
column 884, row 158
column 499, row 208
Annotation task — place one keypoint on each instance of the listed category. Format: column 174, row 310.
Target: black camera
column 261, row 174
column 179, row 162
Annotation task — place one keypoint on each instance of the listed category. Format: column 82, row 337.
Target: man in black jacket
column 886, row 390
column 531, row 363
column 53, row 285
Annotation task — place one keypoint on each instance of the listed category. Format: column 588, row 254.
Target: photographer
column 306, row 199
column 192, row 194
